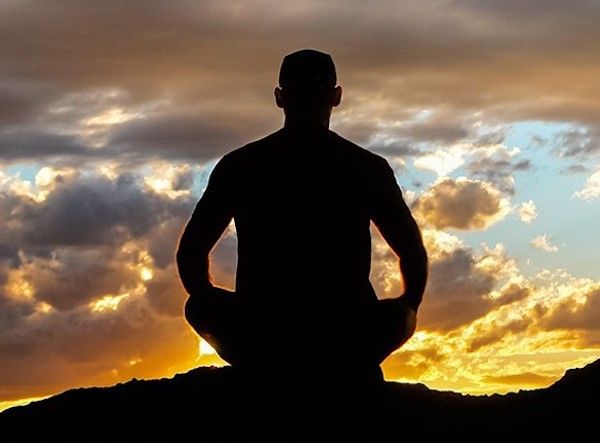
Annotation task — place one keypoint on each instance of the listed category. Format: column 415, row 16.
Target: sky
column 112, row 115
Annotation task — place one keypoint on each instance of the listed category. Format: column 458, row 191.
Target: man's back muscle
column 302, row 206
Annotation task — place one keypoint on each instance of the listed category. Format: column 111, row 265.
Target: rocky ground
column 222, row 404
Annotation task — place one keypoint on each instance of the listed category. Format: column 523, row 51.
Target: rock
column 224, row 404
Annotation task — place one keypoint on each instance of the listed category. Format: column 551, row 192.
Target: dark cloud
column 398, row 149
column 72, row 277
column 579, row 142
column 498, row 172
column 22, row 101
column 96, row 211
column 26, row 144
column 470, row 57
column 72, row 245
column 512, row 293
column 440, row 127
column 165, row 292
column 456, row 291
column 494, row 162
column 176, row 137
column 571, row 315
column 85, row 242
column 575, row 169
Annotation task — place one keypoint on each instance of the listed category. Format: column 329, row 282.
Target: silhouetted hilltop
column 222, row 404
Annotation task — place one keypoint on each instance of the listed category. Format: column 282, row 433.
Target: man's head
column 307, row 83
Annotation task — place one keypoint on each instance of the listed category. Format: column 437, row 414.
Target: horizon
column 112, row 117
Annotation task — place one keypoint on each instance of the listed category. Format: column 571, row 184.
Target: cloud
column 460, row 284
column 591, row 190
column 527, row 212
column 460, row 281
column 87, row 278
column 489, row 159
column 442, row 162
column 78, row 347
column 411, row 364
column 93, row 210
column 574, row 169
column 512, row 291
column 439, row 130
column 579, row 141
column 583, row 314
column 180, row 136
column 193, row 62
column 461, row 204
column 521, row 379
column 27, row 144
column 494, row 332
column 72, row 277
column 542, row 242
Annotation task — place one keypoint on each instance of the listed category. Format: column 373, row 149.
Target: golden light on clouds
column 18, row 288
column 108, row 302
column 166, row 179
column 110, row 117
column 205, row 348
column 442, row 162
column 461, row 204
column 146, row 274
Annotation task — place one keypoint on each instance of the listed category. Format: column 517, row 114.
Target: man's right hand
column 404, row 314
column 396, row 323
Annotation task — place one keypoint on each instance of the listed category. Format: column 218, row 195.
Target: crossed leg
column 245, row 338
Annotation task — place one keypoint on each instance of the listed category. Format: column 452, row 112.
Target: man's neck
column 307, row 122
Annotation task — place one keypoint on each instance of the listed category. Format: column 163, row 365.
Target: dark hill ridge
column 222, row 404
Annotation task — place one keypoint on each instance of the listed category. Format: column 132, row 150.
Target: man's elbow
column 423, row 253
column 183, row 253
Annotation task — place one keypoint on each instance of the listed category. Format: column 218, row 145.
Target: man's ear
column 337, row 96
column 279, row 97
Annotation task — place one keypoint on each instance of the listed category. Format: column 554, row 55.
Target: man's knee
column 394, row 325
column 197, row 315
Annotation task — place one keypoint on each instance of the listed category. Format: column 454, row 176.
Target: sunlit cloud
column 108, row 302
column 527, row 212
column 462, row 204
column 543, row 242
column 442, row 162
column 173, row 181
column 591, row 190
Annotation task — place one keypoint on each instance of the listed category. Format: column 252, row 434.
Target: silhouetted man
column 302, row 200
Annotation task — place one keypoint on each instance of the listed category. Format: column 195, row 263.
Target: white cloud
column 527, row 212
column 591, row 190
column 442, row 162
column 542, row 242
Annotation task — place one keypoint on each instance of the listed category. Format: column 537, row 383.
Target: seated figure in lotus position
column 302, row 199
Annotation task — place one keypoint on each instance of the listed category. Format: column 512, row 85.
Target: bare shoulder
column 368, row 158
column 243, row 156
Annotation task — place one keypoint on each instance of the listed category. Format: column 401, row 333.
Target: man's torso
column 302, row 216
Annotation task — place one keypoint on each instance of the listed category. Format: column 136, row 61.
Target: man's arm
column 392, row 217
column 210, row 218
